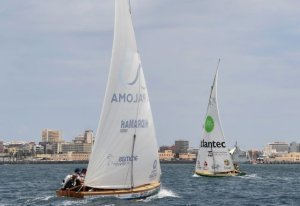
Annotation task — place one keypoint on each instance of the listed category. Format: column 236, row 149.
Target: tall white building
column 88, row 136
column 49, row 135
column 276, row 148
column 81, row 143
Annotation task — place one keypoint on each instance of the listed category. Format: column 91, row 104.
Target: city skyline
column 81, row 135
column 55, row 56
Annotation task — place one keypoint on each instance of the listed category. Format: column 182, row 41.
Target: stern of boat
column 69, row 193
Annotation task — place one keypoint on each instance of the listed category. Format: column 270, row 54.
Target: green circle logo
column 209, row 124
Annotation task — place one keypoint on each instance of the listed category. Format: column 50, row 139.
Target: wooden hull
column 135, row 193
column 225, row 174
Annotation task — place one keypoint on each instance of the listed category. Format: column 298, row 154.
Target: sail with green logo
column 213, row 157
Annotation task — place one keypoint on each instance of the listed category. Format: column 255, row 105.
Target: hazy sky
column 55, row 55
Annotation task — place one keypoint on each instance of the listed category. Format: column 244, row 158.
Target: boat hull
column 227, row 174
column 134, row 193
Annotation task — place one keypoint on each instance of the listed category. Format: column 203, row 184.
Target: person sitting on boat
column 82, row 175
column 72, row 180
column 236, row 167
column 67, row 178
column 77, row 171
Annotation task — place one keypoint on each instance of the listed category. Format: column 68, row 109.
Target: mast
column 129, row 3
column 132, row 152
column 134, row 134
column 137, row 113
column 212, row 87
column 210, row 101
column 212, row 153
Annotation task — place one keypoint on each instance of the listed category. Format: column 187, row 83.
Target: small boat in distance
column 213, row 158
column 124, row 162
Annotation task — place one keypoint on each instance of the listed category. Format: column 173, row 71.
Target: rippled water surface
column 263, row 185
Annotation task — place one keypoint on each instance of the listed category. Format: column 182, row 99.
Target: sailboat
column 213, row 158
column 124, row 162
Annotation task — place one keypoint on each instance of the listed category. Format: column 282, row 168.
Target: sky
column 55, row 56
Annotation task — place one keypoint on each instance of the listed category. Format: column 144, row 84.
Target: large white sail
column 125, row 152
column 213, row 156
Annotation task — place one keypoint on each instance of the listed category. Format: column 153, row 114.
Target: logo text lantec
column 212, row 144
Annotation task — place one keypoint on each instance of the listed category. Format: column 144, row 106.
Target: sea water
column 263, row 185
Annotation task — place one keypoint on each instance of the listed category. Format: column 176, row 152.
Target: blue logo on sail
column 121, row 160
column 133, row 124
column 153, row 173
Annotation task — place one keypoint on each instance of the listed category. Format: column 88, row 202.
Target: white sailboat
column 213, row 157
column 124, row 162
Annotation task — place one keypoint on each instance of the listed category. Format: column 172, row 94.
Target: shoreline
column 161, row 162
column 80, row 162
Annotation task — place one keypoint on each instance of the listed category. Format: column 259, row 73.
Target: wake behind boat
column 213, row 158
column 124, row 162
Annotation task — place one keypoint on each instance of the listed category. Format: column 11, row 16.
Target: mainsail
column 213, row 156
column 125, row 150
